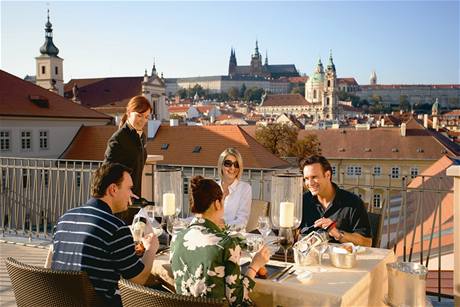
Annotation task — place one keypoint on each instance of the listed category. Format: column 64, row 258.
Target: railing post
column 454, row 171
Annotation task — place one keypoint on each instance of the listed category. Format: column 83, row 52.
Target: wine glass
column 286, row 240
column 264, row 226
column 150, row 210
column 321, row 248
column 138, row 230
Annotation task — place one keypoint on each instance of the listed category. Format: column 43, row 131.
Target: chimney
column 382, row 122
column 403, row 129
column 425, row 121
column 435, row 123
column 174, row 122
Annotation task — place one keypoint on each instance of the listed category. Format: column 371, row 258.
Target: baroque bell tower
column 49, row 67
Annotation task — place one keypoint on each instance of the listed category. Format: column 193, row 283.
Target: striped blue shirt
column 90, row 238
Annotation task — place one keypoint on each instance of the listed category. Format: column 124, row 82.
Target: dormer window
column 196, row 149
column 164, row 146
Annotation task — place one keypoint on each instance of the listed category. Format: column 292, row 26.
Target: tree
column 308, row 146
column 182, row 93
column 253, row 94
column 277, row 138
column 404, row 103
column 344, row 96
column 233, row 93
column 376, row 98
column 299, row 88
column 242, row 90
column 196, row 89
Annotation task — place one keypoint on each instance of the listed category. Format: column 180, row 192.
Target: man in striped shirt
column 92, row 239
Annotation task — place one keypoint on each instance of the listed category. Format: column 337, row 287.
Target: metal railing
column 34, row 193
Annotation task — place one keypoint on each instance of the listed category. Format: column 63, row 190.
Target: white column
column 454, row 171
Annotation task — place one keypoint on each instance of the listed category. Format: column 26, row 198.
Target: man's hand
column 323, row 223
column 151, row 243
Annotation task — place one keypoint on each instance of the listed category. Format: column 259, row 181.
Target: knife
column 282, row 273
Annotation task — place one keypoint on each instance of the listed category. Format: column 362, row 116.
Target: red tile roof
column 298, row 79
column 182, row 139
column 101, row 91
column 348, row 81
column 352, row 144
column 409, row 86
column 16, row 97
column 284, row 100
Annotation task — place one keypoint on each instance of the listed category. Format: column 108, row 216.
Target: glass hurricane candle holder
column 286, row 200
column 168, row 191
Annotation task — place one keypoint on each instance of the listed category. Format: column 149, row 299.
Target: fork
column 289, row 274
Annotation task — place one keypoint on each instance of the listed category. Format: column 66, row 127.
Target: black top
column 128, row 148
column 91, row 239
column 347, row 209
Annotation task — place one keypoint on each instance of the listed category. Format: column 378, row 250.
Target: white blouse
column 237, row 204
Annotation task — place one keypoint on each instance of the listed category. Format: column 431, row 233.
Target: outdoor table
column 364, row 285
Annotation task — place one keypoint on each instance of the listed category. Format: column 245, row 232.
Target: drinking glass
column 254, row 244
column 286, row 240
column 150, row 210
column 264, row 226
column 321, row 248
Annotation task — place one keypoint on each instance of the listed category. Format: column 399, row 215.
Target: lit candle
column 169, row 204
column 286, row 214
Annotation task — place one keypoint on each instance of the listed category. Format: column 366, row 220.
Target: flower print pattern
column 205, row 263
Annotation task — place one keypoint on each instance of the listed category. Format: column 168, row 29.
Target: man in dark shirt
column 325, row 206
column 92, row 239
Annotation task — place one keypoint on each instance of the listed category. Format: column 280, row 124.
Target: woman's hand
column 260, row 258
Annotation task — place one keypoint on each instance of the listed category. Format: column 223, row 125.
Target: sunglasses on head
column 228, row 163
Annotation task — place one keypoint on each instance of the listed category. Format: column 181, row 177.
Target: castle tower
column 49, row 67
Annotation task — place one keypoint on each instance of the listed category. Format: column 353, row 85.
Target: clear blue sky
column 405, row 42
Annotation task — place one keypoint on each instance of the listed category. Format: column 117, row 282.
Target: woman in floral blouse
column 204, row 258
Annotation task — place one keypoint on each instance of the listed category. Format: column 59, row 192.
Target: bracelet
column 251, row 268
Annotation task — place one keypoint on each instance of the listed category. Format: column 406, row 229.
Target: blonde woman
column 237, row 193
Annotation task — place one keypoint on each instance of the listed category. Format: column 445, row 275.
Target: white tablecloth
column 364, row 285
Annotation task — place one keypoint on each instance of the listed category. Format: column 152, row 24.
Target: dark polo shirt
column 347, row 209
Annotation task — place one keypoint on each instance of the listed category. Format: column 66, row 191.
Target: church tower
column 330, row 91
column 256, row 62
column 232, row 63
column 154, row 89
column 373, row 78
column 49, row 72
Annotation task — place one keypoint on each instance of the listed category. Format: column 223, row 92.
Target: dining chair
column 38, row 286
column 134, row 295
column 258, row 208
column 376, row 222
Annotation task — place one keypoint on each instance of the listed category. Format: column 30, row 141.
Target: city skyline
column 415, row 42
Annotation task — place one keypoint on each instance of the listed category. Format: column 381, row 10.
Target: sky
column 410, row 42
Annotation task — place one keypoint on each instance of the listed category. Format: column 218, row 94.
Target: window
column 413, row 172
column 377, row 171
column 377, row 201
column 43, row 70
column 56, row 70
column 314, row 94
column 43, row 139
column 196, row 149
column 327, row 101
column 328, row 83
column 395, row 172
column 350, row 170
column 353, row 170
column 164, row 146
column 4, row 140
column 3, row 179
column 26, row 140
column 334, row 170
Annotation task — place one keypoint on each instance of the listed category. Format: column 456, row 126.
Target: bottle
column 139, row 224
